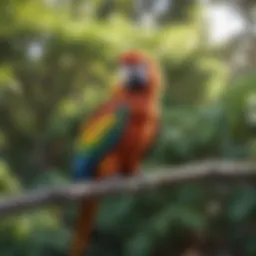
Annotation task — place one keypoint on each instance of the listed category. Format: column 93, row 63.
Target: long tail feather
column 85, row 221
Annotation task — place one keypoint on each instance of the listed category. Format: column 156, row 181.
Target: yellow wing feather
column 96, row 130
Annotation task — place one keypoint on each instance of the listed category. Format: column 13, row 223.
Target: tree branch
column 203, row 171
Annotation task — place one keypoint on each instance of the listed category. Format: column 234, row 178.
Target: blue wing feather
column 87, row 157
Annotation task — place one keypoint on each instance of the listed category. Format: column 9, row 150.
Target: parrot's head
column 138, row 72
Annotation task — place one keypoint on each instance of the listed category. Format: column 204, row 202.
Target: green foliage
column 57, row 63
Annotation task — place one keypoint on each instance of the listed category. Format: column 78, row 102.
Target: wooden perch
column 204, row 171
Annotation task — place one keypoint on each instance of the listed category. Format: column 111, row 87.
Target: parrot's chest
column 138, row 134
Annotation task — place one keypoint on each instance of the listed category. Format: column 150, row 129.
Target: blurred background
column 58, row 61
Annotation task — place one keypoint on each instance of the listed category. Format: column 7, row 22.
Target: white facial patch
column 126, row 72
column 140, row 71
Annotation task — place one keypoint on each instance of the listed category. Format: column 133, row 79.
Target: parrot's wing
column 97, row 139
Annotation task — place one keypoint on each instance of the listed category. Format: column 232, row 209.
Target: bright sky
column 224, row 23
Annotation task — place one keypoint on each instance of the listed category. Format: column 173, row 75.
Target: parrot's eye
column 134, row 76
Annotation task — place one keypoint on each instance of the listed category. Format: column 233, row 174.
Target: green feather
column 98, row 139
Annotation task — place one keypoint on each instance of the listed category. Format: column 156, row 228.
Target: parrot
column 116, row 137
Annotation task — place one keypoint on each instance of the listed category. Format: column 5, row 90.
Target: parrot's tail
column 86, row 215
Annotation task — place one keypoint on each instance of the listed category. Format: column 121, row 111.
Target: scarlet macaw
column 116, row 138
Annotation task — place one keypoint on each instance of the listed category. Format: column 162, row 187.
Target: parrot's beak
column 134, row 77
column 135, row 82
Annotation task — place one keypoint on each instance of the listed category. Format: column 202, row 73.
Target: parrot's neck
column 142, row 104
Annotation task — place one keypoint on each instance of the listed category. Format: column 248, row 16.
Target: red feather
column 138, row 137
